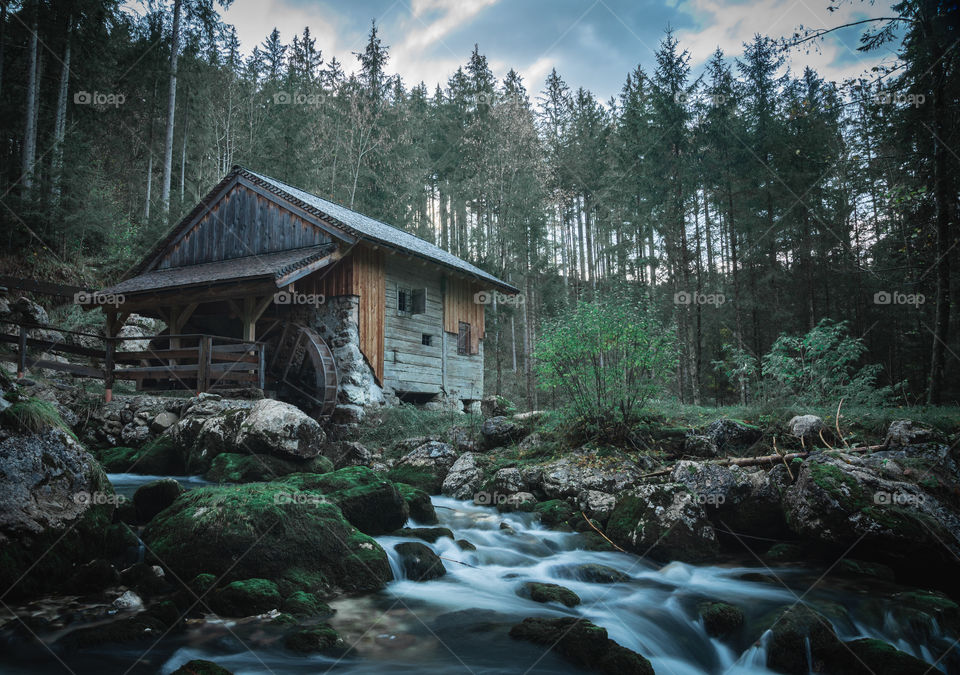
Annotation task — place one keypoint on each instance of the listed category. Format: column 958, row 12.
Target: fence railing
column 196, row 362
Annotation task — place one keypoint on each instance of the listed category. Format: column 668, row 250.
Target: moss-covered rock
column 159, row 457
column 232, row 467
column 584, row 644
column 419, row 562
column 542, row 592
column 865, row 568
column 795, row 628
column 316, row 639
column 301, row 603
column 296, row 539
column 665, row 522
column 554, row 512
column 419, row 504
column 246, row 598
column 867, row 656
column 719, row 618
column 153, row 497
column 591, row 573
column 425, row 467
column 201, row 667
column 373, row 505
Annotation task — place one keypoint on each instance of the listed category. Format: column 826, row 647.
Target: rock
column 796, row 631
column 596, row 504
column 719, row 618
column 145, row 579
column 304, row 604
column 27, row 311
column 428, row 534
column 348, row 414
column 700, row 446
column 496, row 406
column 806, row 427
column 518, row 501
column 581, row 470
column 839, row 499
column 501, row 431
column 732, row 435
column 316, row 639
column 372, row 505
column 134, row 435
column 591, row 573
column 158, row 457
column 868, row 656
column 462, row 439
column 540, row 592
column 94, row 576
column 554, row 512
column 231, row 467
column 51, row 492
column 293, row 537
column 665, row 522
column 904, row 432
column 419, row 562
column 865, row 568
column 464, row 479
column 583, row 643
column 274, row 427
column 744, row 500
column 418, row 504
column 163, row 421
column 426, row 467
column 246, row 598
column 153, row 497
column 201, row 667
column 348, row 453
column 507, row 481
column 128, row 601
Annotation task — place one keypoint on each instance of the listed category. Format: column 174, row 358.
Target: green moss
column 157, row 457
column 201, row 667
column 418, row 477
column 877, row 657
column 719, row 618
column 316, row 639
column 246, row 598
column 554, row 512
column 34, row 416
column 540, row 592
column 232, row 467
column 418, row 503
column 301, row 603
column 428, row 534
column 202, row 583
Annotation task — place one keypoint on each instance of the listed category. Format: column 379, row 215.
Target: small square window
column 426, row 340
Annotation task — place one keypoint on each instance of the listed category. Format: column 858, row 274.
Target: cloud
column 255, row 20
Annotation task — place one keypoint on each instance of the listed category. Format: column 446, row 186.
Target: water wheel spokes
column 304, row 371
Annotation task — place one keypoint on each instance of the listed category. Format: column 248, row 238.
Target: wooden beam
column 309, row 269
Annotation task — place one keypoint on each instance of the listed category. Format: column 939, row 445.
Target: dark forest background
column 739, row 205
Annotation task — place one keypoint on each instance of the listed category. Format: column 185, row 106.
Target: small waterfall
column 809, row 652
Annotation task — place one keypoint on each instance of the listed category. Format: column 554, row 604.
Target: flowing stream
column 460, row 622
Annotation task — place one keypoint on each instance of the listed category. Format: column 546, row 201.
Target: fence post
column 261, row 365
column 108, row 370
column 204, row 359
column 22, row 355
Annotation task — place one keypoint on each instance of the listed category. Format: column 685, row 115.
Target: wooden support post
column 22, row 354
column 261, row 365
column 108, row 369
column 203, row 365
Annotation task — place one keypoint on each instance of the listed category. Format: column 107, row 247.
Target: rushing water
column 460, row 622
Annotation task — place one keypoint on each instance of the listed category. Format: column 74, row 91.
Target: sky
column 592, row 43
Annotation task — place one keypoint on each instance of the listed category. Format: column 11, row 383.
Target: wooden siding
column 240, row 224
column 464, row 373
column 360, row 273
column 409, row 365
column 459, row 305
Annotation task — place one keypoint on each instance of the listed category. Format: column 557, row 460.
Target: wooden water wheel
column 304, row 371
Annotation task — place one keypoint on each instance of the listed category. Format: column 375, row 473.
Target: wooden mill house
column 350, row 310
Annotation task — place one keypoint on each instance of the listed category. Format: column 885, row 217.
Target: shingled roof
column 338, row 216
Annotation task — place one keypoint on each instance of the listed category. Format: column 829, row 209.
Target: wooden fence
column 194, row 362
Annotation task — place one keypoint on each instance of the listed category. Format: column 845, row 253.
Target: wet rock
column 419, row 562
column 201, row 667
column 868, row 656
column 795, row 631
column 128, row 601
column 519, row 501
column 731, row 436
column 597, row 504
column 591, row 573
column 665, row 522
column 905, row 432
column 464, row 479
column 156, row 458
column 246, row 598
column 541, row 592
column 232, row 467
column 274, row 427
column 94, row 576
column 305, row 604
column 153, row 497
column 507, row 481
column 583, row 470
column 348, row 453
column 806, row 427
column 290, row 535
column 584, row 644
column 426, row 467
column 501, row 431
column 316, row 639
column 720, row 619
column 418, row 504
column 554, row 512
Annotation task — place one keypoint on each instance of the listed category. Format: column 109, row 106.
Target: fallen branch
column 600, row 533
column 765, row 459
column 458, row 561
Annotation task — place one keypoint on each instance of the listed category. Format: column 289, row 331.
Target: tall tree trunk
column 60, row 124
column 171, row 109
column 28, row 157
column 3, row 37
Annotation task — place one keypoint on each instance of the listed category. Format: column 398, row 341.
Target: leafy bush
column 822, row 366
column 606, row 359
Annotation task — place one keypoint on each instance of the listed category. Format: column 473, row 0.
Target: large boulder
column 157, row 457
column 838, row 499
column 233, row 467
column 56, row 506
column 419, row 562
column 501, row 431
column 426, row 467
column 583, row 643
column 348, row 453
column 464, row 479
column 275, row 427
column 418, row 504
column 371, row 504
column 905, row 432
column 806, row 428
column 246, row 598
column 153, row 497
column 800, row 635
column 293, row 537
column 731, row 436
column 699, row 445
column 666, row 522
column 581, row 470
